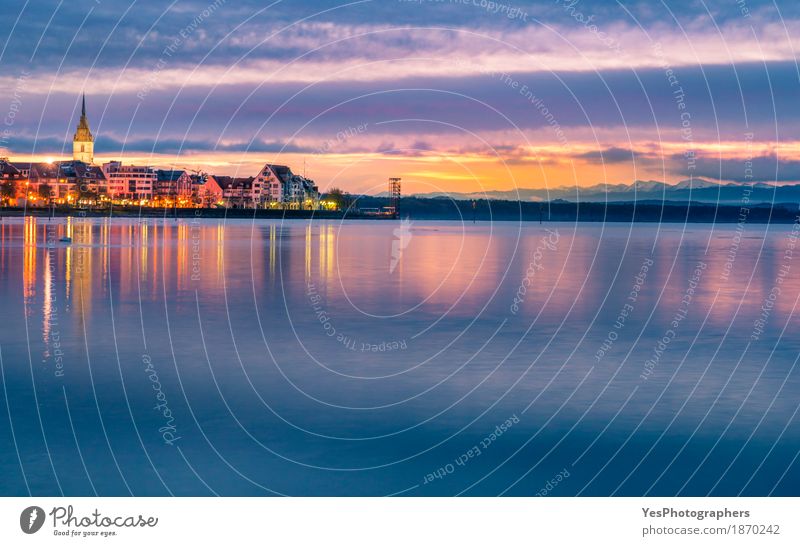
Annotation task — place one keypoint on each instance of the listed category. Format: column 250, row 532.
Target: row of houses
column 73, row 182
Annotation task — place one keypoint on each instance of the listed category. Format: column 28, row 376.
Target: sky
column 449, row 95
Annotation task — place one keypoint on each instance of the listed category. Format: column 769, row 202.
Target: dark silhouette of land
column 468, row 211
column 565, row 211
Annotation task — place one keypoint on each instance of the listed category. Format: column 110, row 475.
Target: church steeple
column 83, row 141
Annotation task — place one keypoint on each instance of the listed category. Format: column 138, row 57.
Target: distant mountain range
column 696, row 190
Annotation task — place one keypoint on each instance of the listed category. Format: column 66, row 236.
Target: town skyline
column 81, row 181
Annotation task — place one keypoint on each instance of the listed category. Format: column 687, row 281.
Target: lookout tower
column 394, row 196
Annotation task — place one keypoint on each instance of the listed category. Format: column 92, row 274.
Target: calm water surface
column 204, row 357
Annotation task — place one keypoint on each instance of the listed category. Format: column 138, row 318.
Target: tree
column 8, row 190
column 85, row 193
column 45, row 192
column 340, row 199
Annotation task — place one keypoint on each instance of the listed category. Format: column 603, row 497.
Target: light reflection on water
column 294, row 359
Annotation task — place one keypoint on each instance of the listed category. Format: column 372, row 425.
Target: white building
column 129, row 181
column 279, row 185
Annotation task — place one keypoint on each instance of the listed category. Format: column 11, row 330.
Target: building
column 9, row 172
column 281, row 187
column 62, row 181
column 208, row 191
column 79, row 178
column 65, row 181
column 173, row 183
column 272, row 179
column 129, row 181
column 83, row 141
column 11, row 182
column 302, row 193
column 237, row 192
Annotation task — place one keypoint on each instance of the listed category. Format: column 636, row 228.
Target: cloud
column 110, row 145
column 586, row 106
column 244, row 44
column 611, row 155
column 761, row 168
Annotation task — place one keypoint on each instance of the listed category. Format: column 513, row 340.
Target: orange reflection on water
column 29, row 259
column 273, row 251
column 220, row 250
column 308, row 251
column 49, row 293
column 442, row 265
column 327, row 251
column 68, row 261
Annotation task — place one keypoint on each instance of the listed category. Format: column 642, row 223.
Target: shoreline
column 136, row 212
column 468, row 212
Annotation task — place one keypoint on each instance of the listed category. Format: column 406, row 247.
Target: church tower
column 83, row 142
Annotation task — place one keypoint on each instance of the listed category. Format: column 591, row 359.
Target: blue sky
column 452, row 93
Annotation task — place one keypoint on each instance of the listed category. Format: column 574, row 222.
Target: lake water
column 202, row 357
